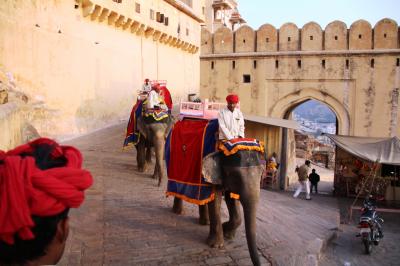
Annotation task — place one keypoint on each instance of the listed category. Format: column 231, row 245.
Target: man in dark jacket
column 314, row 179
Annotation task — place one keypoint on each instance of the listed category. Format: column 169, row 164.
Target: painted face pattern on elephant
column 242, row 159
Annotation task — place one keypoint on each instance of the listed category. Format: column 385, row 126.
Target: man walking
column 302, row 173
column 314, row 179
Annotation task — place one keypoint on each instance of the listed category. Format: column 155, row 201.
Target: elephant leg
column 203, row 214
column 156, row 171
column 159, row 143
column 249, row 210
column 178, row 206
column 140, row 158
column 148, row 154
column 235, row 219
column 216, row 237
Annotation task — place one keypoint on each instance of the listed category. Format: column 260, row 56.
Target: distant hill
column 315, row 111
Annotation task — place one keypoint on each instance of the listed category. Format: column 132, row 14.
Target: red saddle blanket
column 187, row 144
column 132, row 134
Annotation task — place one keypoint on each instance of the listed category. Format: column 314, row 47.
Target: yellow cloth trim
column 128, row 147
column 234, row 196
column 272, row 166
column 192, row 184
column 156, row 118
column 241, row 148
column 194, row 201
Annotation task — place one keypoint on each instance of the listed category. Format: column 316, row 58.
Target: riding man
column 230, row 120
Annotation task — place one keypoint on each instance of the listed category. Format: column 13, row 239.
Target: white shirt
column 146, row 88
column 231, row 124
column 153, row 99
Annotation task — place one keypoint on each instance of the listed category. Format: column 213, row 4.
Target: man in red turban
column 39, row 183
column 230, row 119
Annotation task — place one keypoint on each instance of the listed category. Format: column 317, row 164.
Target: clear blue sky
column 278, row 12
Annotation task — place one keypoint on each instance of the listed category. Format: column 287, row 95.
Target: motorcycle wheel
column 368, row 246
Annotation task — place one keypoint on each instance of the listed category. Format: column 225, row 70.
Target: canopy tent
column 278, row 122
column 381, row 150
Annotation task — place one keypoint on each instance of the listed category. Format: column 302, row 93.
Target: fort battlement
column 336, row 37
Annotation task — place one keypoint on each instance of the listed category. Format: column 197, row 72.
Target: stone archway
column 287, row 103
column 282, row 109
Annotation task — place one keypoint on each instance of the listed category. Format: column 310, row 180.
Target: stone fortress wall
column 80, row 63
column 311, row 37
column 355, row 71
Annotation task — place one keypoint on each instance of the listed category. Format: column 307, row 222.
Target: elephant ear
column 170, row 124
column 211, row 168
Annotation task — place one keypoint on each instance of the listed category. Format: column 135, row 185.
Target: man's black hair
column 23, row 251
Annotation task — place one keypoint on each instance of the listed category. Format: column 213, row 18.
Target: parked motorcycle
column 370, row 224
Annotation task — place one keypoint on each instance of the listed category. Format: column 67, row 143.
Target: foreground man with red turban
column 39, row 183
column 230, row 119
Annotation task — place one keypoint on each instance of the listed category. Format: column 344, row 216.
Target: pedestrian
column 314, row 179
column 304, row 184
column 39, row 183
column 230, row 120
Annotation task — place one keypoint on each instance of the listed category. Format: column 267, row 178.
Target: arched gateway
column 287, row 103
column 284, row 106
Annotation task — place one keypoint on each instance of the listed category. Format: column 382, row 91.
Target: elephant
column 153, row 134
column 240, row 174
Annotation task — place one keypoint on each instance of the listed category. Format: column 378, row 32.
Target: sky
column 278, row 12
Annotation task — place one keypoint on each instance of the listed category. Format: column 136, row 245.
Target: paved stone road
column 348, row 248
column 127, row 220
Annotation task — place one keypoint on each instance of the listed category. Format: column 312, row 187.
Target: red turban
column 156, row 86
column 164, row 92
column 25, row 190
column 232, row 98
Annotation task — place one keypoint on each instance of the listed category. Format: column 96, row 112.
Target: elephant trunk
column 249, row 210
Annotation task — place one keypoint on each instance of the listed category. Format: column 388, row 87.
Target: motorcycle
column 370, row 224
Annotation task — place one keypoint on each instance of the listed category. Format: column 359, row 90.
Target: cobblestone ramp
column 127, row 220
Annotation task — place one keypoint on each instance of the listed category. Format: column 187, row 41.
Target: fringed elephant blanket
column 132, row 133
column 188, row 142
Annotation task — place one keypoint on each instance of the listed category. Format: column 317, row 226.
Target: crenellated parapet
column 129, row 16
column 310, row 38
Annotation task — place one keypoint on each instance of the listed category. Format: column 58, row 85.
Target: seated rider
column 272, row 163
column 146, row 88
column 230, row 120
column 154, row 100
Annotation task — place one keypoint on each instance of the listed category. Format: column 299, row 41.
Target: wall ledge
column 302, row 53
column 95, row 11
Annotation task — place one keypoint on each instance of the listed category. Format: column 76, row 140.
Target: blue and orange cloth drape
column 132, row 134
column 188, row 142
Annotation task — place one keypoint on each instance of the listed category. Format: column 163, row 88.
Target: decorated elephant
column 153, row 129
column 238, row 177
